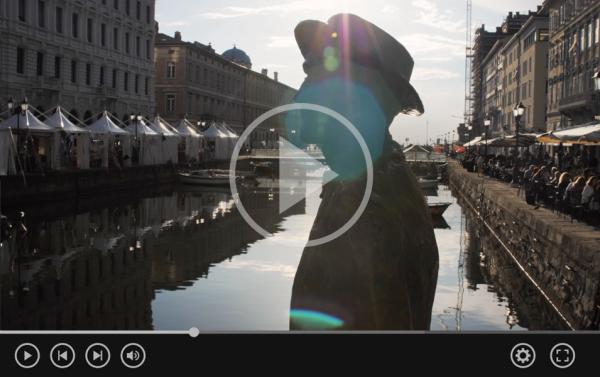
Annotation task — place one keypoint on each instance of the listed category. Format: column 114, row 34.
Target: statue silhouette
column 382, row 273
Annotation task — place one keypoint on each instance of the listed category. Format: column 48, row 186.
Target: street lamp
column 470, row 146
column 518, row 112
column 487, row 122
column 20, row 110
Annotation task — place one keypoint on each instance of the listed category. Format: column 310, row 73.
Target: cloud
column 418, row 44
column 278, row 10
column 277, row 42
column 424, row 74
column 176, row 23
column 389, row 8
column 433, row 59
column 430, row 16
column 286, row 271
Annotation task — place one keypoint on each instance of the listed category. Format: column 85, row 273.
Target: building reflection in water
column 94, row 263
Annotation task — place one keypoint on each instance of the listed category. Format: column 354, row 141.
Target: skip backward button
column 97, row 355
column 62, row 355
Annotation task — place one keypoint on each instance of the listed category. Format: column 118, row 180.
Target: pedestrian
column 480, row 165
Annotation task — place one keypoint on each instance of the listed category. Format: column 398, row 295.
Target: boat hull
column 204, row 180
column 438, row 209
column 427, row 184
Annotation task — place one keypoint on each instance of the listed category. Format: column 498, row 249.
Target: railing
column 581, row 99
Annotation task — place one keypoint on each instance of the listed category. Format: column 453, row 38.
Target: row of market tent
column 61, row 140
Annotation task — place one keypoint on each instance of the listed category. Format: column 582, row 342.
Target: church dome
column 237, row 56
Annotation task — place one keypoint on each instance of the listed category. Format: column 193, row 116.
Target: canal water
column 175, row 257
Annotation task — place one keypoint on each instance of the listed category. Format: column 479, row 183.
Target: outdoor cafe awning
column 585, row 134
column 525, row 140
column 473, row 142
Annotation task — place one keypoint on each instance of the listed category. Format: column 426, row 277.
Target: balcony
column 578, row 101
column 103, row 91
column 48, row 83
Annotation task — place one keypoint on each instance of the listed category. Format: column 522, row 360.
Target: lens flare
column 312, row 320
column 331, row 63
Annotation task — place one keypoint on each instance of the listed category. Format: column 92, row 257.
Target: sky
column 434, row 32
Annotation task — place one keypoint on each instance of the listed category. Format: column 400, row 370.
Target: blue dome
column 237, row 55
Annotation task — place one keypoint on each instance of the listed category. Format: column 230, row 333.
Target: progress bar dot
column 194, row 332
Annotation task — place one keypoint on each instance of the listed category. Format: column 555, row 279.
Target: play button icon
column 27, row 355
column 97, row 355
column 62, row 355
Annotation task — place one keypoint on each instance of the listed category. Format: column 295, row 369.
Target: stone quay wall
column 561, row 258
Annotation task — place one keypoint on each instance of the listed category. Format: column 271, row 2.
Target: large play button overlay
column 293, row 164
column 62, row 355
column 27, row 355
column 97, row 355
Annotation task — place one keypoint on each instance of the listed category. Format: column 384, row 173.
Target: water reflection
column 141, row 259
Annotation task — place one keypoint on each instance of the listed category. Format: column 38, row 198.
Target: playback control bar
column 573, row 352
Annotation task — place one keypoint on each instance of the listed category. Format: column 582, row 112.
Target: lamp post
column 20, row 110
column 518, row 112
column 470, row 146
column 487, row 122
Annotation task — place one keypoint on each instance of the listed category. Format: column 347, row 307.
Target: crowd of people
column 566, row 179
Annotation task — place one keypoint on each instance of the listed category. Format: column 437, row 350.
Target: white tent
column 218, row 142
column 170, row 142
column 111, row 133
column 192, row 140
column 59, row 121
column 28, row 125
column 149, row 141
column 233, row 138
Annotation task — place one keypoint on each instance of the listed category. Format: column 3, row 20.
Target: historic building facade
column 196, row 83
column 492, row 88
column 574, row 54
column 86, row 56
column 525, row 71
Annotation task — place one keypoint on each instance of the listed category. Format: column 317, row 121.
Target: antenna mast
column 468, row 62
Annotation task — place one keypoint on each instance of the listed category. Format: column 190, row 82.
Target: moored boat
column 424, row 183
column 204, row 177
column 437, row 209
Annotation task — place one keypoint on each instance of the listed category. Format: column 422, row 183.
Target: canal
column 174, row 257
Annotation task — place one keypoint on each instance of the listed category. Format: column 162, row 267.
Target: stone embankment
column 561, row 258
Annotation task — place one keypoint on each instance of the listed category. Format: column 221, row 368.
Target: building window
column 41, row 14
column 116, row 38
column 138, row 10
column 20, row 60
column 74, row 71
column 529, row 88
column 40, row 64
column 116, row 4
column 524, row 67
column 170, row 102
column 88, row 74
column 148, row 13
column 90, row 30
column 22, row 10
column 146, row 84
column 137, row 82
column 197, row 73
column 528, row 114
column 596, row 31
column 127, row 43
column 147, row 49
column 114, row 78
column 170, row 70
column 103, row 34
column 218, row 81
column 205, row 76
column 581, row 39
column 59, row 20
column 101, row 83
column 75, row 25
column 589, row 36
column 189, row 107
column 137, row 46
column 126, row 81
column 57, row 67
column 212, row 78
column 127, row 7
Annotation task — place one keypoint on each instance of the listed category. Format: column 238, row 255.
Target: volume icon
column 133, row 355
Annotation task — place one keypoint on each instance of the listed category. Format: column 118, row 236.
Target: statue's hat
column 363, row 43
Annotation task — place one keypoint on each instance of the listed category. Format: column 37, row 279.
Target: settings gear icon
column 522, row 355
column 520, row 352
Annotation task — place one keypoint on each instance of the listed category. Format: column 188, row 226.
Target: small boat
column 266, row 167
column 429, row 177
column 437, row 209
column 424, row 183
column 204, row 177
column 440, row 223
